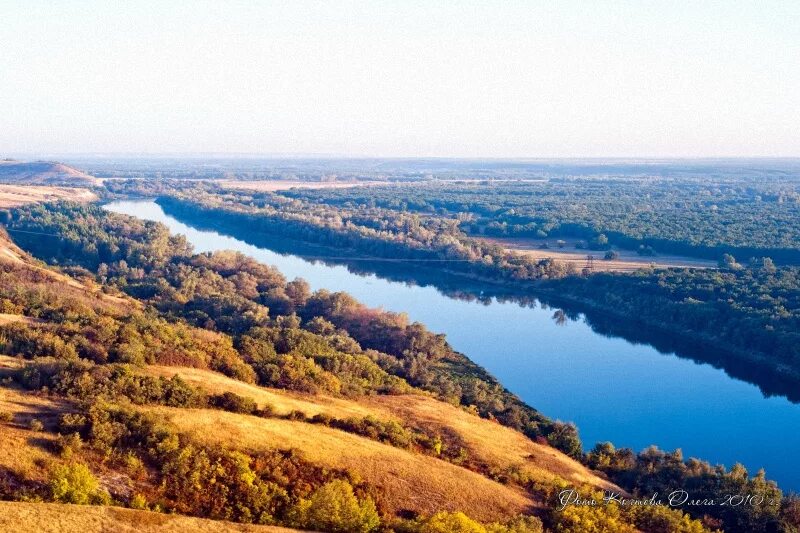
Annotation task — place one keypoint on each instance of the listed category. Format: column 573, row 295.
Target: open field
column 487, row 442
column 628, row 261
column 283, row 185
column 17, row 195
column 59, row 518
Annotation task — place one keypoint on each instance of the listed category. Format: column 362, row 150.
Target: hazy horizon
column 512, row 80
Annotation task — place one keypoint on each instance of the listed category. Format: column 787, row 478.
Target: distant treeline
column 698, row 217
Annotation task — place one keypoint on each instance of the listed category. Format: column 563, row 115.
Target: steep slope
column 406, row 481
column 58, row 518
column 89, row 412
column 17, row 195
column 487, row 442
column 43, row 173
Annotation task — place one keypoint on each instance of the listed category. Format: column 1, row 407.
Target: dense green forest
column 278, row 333
column 754, row 308
column 699, row 217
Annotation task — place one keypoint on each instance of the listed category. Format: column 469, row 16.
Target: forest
column 697, row 217
column 228, row 313
column 750, row 311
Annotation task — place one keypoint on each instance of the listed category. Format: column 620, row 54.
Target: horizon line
column 321, row 156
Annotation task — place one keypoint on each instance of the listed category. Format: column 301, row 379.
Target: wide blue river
column 629, row 394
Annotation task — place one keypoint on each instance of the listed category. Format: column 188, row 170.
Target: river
column 614, row 390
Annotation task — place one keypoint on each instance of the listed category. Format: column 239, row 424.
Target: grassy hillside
column 488, row 443
column 189, row 384
column 404, row 480
column 58, row 518
column 43, row 173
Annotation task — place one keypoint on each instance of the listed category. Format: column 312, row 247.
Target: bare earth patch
column 628, row 260
column 17, row 195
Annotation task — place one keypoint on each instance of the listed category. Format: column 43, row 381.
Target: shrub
column 138, row 502
column 444, row 522
column 334, row 507
column 322, row 418
column 521, row 524
column 74, row 483
column 36, row 425
column 234, row 403
column 69, row 444
column 296, row 415
column 6, row 417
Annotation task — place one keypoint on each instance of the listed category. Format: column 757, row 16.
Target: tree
column 443, row 522
column 334, row 507
column 768, row 265
column 74, row 483
column 600, row 242
column 728, row 261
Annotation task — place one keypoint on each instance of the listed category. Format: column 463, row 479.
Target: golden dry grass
column 8, row 364
column 17, row 195
column 487, row 442
column 282, row 401
column 58, row 518
column 404, row 480
column 9, row 252
column 24, row 451
column 6, row 318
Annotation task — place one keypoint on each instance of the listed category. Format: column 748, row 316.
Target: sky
column 431, row 79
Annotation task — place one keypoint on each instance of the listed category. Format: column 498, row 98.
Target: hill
column 59, row 518
column 185, row 394
column 17, row 195
column 487, row 442
column 43, row 173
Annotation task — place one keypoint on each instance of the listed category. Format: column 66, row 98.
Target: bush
column 74, row 483
column 6, row 417
column 444, row 522
column 296, row 415
column 234, row 403
column 334, row 507
column 69, row 444
column 138, row 502
column 36, row 425
column 521, row 524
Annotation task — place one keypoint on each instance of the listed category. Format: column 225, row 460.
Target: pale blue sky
column 482, row 79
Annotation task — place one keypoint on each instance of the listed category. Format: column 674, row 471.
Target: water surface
column 629, row 394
